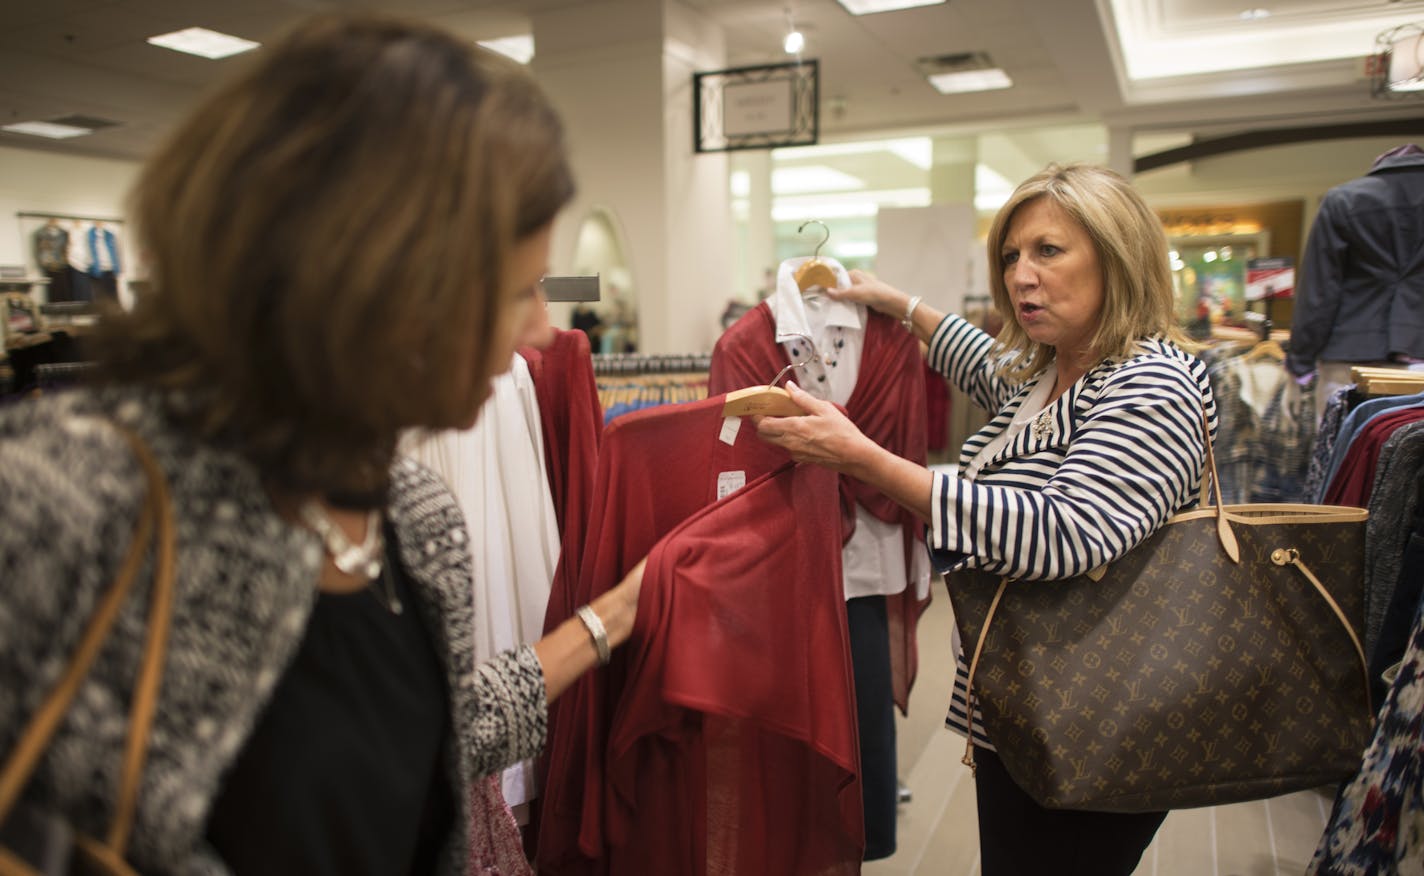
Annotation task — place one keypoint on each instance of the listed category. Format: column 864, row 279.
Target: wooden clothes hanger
column 770, row 400
column 815, row 272
column 1387, row 381
column 1269, row 347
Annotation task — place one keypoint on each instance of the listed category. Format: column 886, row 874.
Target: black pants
column 1017, row 837
column 875, row 714
column 59, row 287
column 105, row 286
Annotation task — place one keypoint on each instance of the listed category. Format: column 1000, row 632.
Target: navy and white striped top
column 1119, row 453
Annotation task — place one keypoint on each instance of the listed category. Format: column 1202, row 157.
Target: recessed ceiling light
column 867, row 7
column 203, row 42
column 46, row 129
column 812, row 178
column 520, row 48
column 971, row 80
column 1255, row 14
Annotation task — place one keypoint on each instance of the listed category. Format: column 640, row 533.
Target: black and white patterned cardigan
column 70, row 491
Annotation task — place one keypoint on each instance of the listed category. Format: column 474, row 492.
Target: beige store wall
column 45, row 182
column 623, row 84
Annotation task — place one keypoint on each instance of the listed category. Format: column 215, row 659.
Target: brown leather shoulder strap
column 34, row 739
column 160, row 611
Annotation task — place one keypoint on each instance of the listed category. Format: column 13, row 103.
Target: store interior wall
column 623, row 85
column 45, row 182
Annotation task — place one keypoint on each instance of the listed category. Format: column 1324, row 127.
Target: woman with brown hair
column 345, row 241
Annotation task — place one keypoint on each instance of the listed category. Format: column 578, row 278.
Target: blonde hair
column 329, row 235
column 1138, row 300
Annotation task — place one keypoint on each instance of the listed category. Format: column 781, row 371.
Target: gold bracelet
column 596, row 629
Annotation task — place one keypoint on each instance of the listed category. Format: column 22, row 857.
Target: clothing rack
column 70, row 308
column 62, row 373
column 34, row 214
column 629, row 364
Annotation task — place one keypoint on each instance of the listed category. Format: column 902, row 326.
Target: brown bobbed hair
column 329, row 236
column 1138, row 300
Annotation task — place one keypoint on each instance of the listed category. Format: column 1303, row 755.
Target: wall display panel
column 760, row 107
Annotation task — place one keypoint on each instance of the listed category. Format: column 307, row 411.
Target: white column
column 952, row 173
column 1120, row 150
column 621, row 76
column 761, row 230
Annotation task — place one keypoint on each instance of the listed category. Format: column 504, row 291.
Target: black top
column 343, row 773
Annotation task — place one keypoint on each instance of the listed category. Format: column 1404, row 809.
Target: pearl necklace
column 363, row 560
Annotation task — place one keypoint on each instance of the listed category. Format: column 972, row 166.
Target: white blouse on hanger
column 496, row 471
column 873, row 560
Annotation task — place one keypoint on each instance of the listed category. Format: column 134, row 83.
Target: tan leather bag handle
column 157, row 513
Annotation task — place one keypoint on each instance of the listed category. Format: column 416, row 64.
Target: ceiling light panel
column 204, row 43
column 812, row 178
column 46, row 129
column 520, row 48
column 869, row 7
column 971, row 80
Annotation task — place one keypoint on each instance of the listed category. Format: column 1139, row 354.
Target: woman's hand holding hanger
column 865, row 288
column 824, row 435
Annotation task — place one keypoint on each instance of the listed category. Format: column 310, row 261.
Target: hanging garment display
column 1351, row 425
column 1266, row 425
column 843, row 353
column 103, row 261
column 496, row 471
column 1355, row 479
column 1374, row 825
column 572, row 426
column 1336, row 406
column 714, row 763
column 51, row 251
column 887, row 404
column 656, row 469
column 1392, row 589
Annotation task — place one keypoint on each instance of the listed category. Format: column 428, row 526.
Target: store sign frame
column 763, row 107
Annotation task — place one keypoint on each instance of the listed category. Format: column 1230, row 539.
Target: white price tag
column 728, row 482
column 730, row 427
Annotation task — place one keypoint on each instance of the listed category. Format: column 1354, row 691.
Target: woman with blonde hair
column 1096, row 439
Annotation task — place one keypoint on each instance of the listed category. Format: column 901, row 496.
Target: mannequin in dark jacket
column 1361, row 293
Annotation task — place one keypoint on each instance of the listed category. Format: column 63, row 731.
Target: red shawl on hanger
column 733, row 748
column 656, row 468
column 888, row 405
column 572, row 421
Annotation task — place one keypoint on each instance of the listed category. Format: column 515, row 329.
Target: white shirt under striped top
column 1095, row 472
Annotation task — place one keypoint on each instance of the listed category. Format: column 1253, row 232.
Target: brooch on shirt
column 1043, row 426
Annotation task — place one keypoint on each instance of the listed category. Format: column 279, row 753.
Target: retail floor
column 937, row 830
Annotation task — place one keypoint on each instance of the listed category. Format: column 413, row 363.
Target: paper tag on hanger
column 728, row 482
column 730, row 427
